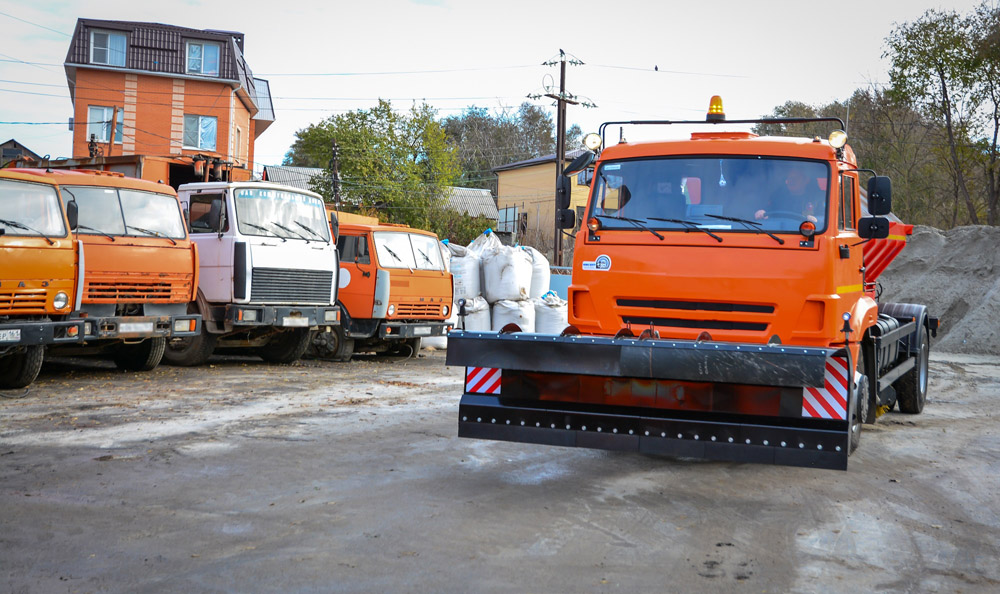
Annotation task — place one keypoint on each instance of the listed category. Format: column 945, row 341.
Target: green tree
column 398, row 165
column 934, row 68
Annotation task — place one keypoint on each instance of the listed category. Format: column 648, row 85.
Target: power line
column 35, row 24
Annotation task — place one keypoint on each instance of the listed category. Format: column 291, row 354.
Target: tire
column 911, row 387
column 859, row 404
column 144, row 356
column 287, row 346
column 192, row 350
column 333, row 345
column 21, row 368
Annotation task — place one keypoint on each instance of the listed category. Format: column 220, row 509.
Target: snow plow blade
column 736, row 402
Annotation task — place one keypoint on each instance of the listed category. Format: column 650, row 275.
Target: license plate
column 133, row 327
column 422, row 331
column 295, row 322
column 10, row 335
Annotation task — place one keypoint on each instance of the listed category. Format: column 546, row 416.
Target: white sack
column 477, row 318
column 506, row 274
column 550, row 314
column 521, row 313
column 539, row 272
column 485, row 242
column 465, row 276
column 441, row 342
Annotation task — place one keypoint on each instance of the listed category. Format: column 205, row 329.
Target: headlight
column 592, row 141
column 392, row 309
column 838, row 138
column 248, row 315
column 445, row 310
column 60, row 301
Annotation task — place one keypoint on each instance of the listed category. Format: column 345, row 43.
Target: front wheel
column 333, row 345
column 859, row 403
column 144, row 356
column 21, row 368
column 287, row 346
column 911, row 388
column 190, row 350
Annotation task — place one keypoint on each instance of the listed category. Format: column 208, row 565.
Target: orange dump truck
column 723, row 305
column 394, row 289
column 136, row 269
column 37, row 275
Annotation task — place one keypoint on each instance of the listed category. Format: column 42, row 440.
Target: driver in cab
column 793, row 201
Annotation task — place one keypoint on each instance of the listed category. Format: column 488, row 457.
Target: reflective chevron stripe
column 482, row 380
column 830, row 401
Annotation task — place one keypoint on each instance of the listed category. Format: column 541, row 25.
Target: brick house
column 182, row 103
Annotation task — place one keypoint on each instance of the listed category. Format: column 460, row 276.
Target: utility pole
column 335, row 174
column 114, row 128
column 562, row 99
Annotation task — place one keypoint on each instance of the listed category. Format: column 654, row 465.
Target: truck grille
column 418, row 310
column 699, row 315
column 137, row 287
column 27, row 301
column 284, row 285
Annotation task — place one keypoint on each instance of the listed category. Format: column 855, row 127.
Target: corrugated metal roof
column 473, row 202
column 297, row 177
column 570, row 155
column 263, row 100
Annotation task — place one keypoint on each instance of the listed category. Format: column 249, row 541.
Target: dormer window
column 108, row 48
column 203, row 58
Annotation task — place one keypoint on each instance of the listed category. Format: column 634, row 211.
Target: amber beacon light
column 715, row 111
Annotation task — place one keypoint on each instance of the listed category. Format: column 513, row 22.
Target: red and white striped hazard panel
column 830, row 401
column 482, row 380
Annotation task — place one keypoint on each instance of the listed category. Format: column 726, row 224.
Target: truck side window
column 848, row 192
column 204, row 209
column 351, row 247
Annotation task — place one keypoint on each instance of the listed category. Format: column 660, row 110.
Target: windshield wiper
column 292, row 231
column 635, row 222
column 153, row 233
column 752, row 225
column 269, row 232
column 17, row 225
column 425, row 256
column 89, row 228
column 309, row 229
column 393, row 254
column 688, row 225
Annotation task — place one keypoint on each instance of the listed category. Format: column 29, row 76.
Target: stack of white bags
column 503, row 285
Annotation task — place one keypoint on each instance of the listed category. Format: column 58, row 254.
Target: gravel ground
column 327, row 477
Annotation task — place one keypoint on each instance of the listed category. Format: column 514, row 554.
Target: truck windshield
column 290, row 215
column 118, row 211
column 408, row 250
column 30, row 209
column 739, row 194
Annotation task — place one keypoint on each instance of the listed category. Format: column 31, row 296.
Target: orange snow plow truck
column 723, row 305
column 394, row 288
column 134, row 268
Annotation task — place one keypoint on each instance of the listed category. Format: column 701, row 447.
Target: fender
column 864, row 314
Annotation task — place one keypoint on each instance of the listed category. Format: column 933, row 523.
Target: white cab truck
column 268, row 270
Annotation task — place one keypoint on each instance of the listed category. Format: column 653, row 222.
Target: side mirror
column 565, row 218
column 873, row 228
column 563, row 192
column 72, row 214
column 879, row 195
column 580, row 163
column 334, row 228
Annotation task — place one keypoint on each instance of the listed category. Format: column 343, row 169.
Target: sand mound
column 956, row 273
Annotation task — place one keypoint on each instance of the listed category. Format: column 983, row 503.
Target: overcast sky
column 642, row 59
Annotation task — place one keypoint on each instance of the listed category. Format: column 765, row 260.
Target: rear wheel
column 911, row 387
column 286, row 347
column 21, row 368
column 190, row 350
column 333, row 345
column 143, row 356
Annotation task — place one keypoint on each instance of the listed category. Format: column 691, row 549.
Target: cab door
column 209, row 228
column 357, row 274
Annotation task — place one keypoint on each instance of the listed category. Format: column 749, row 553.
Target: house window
column 199, row 132
column 203, row 58
column 108, row 48
column 99, row 123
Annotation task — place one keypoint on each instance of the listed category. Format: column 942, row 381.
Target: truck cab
column 394, row 289
column 268, row 270
column 136, row 267
column 723, row 305
column 38, row 276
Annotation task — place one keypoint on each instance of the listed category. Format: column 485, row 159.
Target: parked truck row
column 95, row 263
